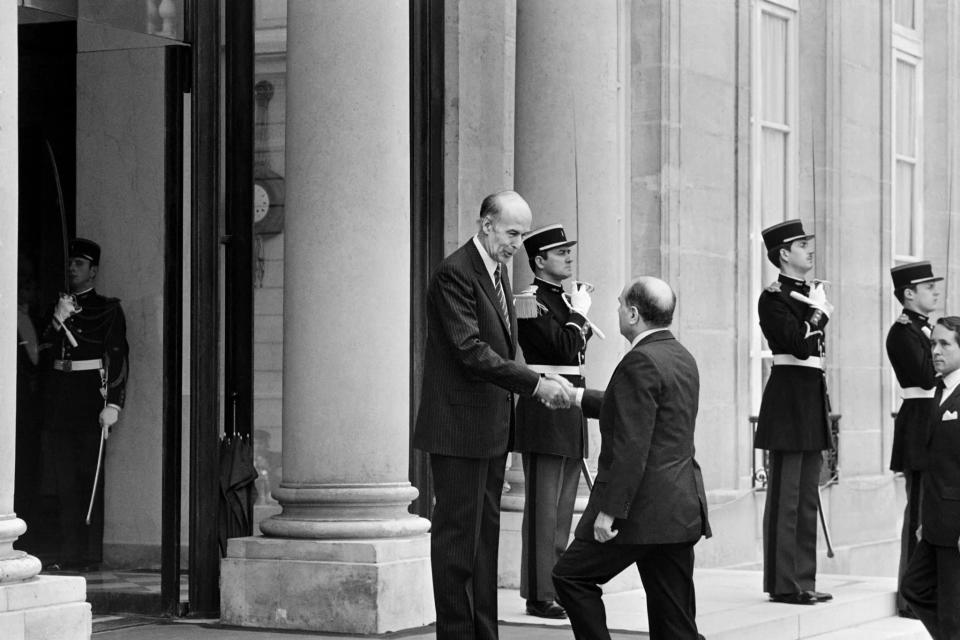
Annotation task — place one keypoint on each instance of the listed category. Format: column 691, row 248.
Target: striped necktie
column 503, row 299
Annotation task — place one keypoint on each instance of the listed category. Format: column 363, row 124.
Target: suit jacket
column 555, row 336
column 908, row 348
column 647, row 478
column 940, row 514
column 469, row 372
column 794, row 409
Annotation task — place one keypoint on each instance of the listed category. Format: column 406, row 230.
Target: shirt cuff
column 578, row 401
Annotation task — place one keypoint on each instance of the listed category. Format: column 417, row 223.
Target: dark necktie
column 941, row 388
column 503, row 299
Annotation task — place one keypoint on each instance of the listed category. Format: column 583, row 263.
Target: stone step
column 892, row 628
column 731, row 605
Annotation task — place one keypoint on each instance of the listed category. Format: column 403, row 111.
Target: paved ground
column 731, row 605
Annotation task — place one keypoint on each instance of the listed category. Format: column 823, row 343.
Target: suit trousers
column 666, row 571
column 550, row 493
column 790, row 522
column 464, row 541
column 911, row 521
column 931, row 587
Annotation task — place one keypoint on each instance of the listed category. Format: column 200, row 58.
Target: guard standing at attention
column 794, row 416
column 554, row 338
column 84, row 394
column 908, row 347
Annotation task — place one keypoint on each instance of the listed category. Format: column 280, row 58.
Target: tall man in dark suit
column 552, row 442
column 908, row 347
column 466, row 416
column 931, row 585
column 793, row 422
column 648, row 506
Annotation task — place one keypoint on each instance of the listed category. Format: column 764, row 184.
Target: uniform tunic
column 73, row 401
column 556, row 336
column 908, row 347
column 794, row 408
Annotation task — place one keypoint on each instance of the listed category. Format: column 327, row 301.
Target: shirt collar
column 950, row 382
column 643, row 335
column 488, row 262
column 84, row 292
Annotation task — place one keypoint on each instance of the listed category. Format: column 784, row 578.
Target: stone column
column 30, row 606
column 344, row 555
column 571, row 166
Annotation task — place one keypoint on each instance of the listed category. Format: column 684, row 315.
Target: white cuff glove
column 108, row 417
column 66, row 307
column 817, row 299
column 580, row 300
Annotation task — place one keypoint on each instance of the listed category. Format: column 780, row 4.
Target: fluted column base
column 345, row 511
column 15, row 566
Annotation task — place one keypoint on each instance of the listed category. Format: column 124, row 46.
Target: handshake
column 556, row 392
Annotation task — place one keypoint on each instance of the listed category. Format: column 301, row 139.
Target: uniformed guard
column 794, row 416
column 553, row 333
column 908, row 347
column 84, row 394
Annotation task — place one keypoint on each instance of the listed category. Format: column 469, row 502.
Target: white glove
column 66, row 307
column 580, row 300
column 108, row 417
column 817, row 299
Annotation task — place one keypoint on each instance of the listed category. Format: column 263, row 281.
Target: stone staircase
column 731, row 605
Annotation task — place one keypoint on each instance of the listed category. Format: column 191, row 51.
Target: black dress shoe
column 545, row 609
column 804, row 597
column 820, row 596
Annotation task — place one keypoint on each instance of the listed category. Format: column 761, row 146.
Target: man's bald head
column 653, row 299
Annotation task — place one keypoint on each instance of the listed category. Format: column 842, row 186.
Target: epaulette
column 774, row 287
column 525, row 303
column 903, row 319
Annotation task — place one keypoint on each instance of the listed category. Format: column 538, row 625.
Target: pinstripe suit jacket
column 469, row 372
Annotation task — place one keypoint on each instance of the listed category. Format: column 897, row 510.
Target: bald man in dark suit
column 466, row 416
column 648, row 506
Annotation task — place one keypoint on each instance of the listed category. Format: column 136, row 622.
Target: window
column 774, row 154
column 906, row 125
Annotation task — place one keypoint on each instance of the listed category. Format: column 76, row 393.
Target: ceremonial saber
column 823, row 522
column 576, row 201
column 96, row 476
column 63, row 231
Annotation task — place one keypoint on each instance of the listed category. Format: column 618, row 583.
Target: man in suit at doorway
column 793, row 421
column 931, row 584
column 908, row 348
column 648, row 505
column 466, row 416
